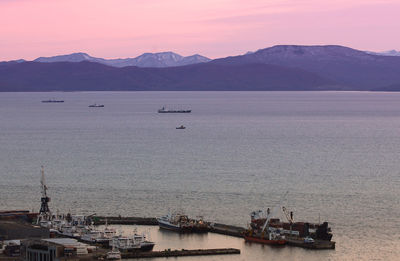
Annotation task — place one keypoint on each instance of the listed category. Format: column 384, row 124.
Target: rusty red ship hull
column 265, row 240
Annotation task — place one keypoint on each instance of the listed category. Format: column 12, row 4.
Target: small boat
column 181, row 127
column 52, row 100
column 114, row 254
column 96, row 105
column 165, row 110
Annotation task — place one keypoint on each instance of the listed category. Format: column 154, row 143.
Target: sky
column 213, row 28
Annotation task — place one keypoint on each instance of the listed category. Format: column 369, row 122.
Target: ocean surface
column 328, row 156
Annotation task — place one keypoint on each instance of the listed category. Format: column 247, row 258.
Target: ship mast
column 44, row 208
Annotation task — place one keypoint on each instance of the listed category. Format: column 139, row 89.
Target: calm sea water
column 336, row 153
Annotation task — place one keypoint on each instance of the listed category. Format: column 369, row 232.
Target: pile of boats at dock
column 81, row 227
column 265, row 228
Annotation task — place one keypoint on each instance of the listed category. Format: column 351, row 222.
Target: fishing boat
column 92, row 236
column 165, row 110
column 96, row 105
column 52, row 101
column 132, row 243
column 176, row 222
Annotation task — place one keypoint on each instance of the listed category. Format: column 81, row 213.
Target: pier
column 183, row 252
column 226, row 229
column 101, row 220
column 218, row 228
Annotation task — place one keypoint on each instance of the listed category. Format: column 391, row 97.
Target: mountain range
column 386, row 53
column 282, row 67
column 154, row 60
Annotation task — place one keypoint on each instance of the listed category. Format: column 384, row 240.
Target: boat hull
column 146, row 246
column 175, row 228
column 188, row 111
column 279, row 242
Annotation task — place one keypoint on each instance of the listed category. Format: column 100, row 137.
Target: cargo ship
column 310, row 235
column 165, row 110
column 261, row 232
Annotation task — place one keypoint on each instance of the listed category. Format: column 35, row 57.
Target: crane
column 44, row 208
column 289, row 215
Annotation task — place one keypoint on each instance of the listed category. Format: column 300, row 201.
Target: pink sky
column 214, row 28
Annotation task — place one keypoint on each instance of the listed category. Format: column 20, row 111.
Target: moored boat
column 263, row 233
column 132, row 243
column 175, row 222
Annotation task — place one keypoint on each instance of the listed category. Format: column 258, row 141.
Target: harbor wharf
column 154, row 254
column 149, row 221
column 212, row 227
column 217, row 228
column 182, row 252
column 17, row 229
column 226, row 229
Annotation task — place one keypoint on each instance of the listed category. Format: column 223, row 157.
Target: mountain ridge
column 156, row 60
column 281, row 67
column 346, row 66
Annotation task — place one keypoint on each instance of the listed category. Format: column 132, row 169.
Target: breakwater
column 183, row 252
column 118, row 220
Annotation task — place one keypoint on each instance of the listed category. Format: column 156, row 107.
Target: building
column 53, row 249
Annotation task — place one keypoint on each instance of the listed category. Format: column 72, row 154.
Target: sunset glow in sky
column 214, row 28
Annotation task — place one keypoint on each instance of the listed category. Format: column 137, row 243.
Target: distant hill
column 155, row 60
column 89, row 76
column 283, row 67
column 350, row 68
column 386, row 53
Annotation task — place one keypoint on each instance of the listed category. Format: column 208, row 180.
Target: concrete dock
column 226, row 229
column 183, row 252
column 118, row 220
column 17, row 229
column 218, row 228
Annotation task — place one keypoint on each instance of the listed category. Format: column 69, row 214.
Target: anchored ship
column 165, row 110
column 52, row 100
column 96, row 105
